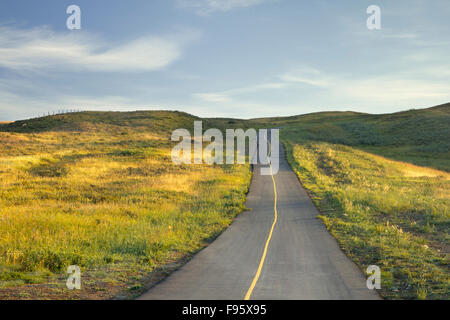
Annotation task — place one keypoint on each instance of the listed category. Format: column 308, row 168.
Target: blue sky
column 233, row 58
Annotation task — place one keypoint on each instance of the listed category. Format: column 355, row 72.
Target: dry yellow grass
column 106, row 196
column 411, row 170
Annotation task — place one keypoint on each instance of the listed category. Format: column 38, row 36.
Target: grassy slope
column 385, row 212
column 421, row 137
column 99, row 190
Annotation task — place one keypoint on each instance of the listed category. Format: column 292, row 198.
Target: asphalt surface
column 303, row 260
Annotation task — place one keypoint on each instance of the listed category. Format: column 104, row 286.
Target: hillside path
column 302, row 261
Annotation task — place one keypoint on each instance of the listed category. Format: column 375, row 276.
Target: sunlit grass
column 106, row 195
column 382, row 185
column 383, row 212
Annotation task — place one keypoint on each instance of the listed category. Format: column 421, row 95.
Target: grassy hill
column 154, row 121
column 421, row 136
column 99, row 190
column 382, row 184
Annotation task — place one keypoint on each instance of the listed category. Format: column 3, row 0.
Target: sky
column 223, row 58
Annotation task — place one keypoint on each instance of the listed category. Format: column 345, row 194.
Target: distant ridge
column 433, row 118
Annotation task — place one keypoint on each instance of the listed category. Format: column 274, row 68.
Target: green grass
column 382, row 215
column 385, row 212
column 99, row 190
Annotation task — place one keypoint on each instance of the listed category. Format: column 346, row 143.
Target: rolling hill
column 382, row 184
column 98, row 189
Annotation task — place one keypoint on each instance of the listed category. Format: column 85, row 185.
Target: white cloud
column 393, row 89
column 400, row 36
column 258, row 87
column 15, row 106
column 42, row 48
column 227, row 95
column 420, row 87
column 308, row 76
column 212, row 97
column 205, row 7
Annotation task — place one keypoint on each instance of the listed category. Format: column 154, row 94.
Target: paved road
column 303, row 260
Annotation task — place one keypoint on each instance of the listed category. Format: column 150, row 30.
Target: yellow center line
column 263, row 258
